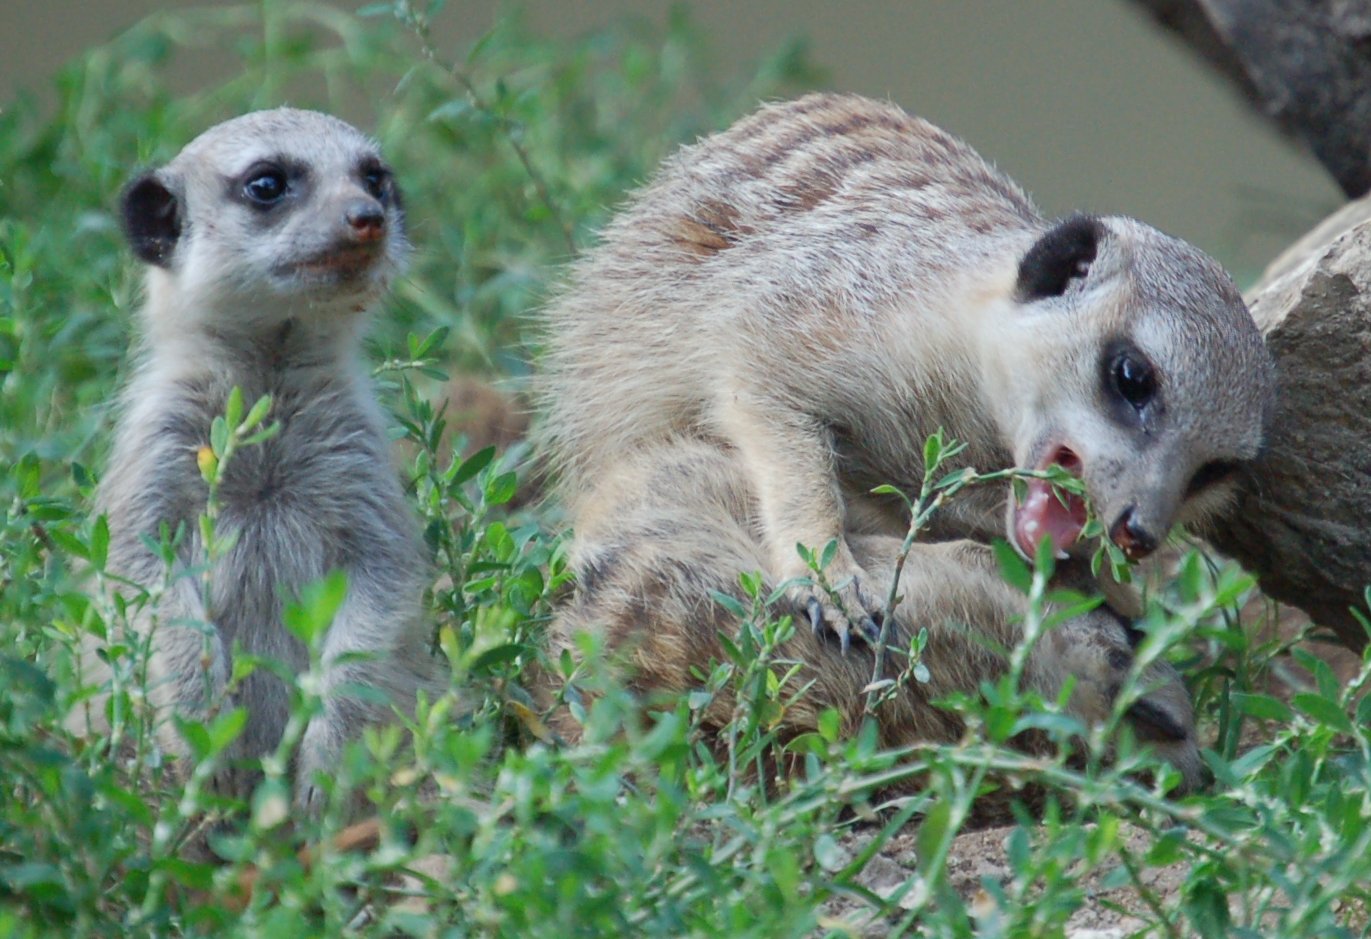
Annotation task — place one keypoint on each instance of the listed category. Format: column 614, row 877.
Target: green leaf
column 933, row 451
column 1167, row 849
column 196, row 737
column 1262, row 707
column 830, row 552
column 501, row 488
column 266, row 433
column 830, row 723
column 430, row 344
column 372, row 10
column 1323, row 710
column 499, row 655
column 257, row 414
column 218, row 436
column 319, row 603
column 472, row 465
column 99, row 543
column 226, row 727
column 1206, row 903
column 1251, row 761
column 32, row 877
column 233, row 408
column 933, row 833
column 698, row 699
column 1012, row 567
column 956, row 478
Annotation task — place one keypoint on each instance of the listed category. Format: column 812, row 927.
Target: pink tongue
column 1042, row 513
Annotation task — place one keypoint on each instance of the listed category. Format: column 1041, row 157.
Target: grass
column 513, row 149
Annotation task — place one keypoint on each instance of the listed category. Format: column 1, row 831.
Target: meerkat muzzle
column 366, row 221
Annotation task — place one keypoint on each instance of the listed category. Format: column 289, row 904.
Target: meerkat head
column 271, row 216
column 1128, row 358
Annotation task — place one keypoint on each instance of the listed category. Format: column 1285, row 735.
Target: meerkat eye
column 374, row 179
column 1134, row 379
column 265, row 187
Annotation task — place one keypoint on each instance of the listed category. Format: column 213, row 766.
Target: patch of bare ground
column 979, row 859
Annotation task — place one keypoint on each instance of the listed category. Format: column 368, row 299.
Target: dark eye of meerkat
column 1133, row 378
column 265, row 186
column 375, row 180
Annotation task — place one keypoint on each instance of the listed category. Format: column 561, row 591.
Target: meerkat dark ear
column 152, row 219
column 1060, row 256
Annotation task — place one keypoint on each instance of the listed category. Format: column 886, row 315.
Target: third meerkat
column 818, row 288
column 267, row 240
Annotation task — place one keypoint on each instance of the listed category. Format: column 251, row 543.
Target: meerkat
column 828, row 282
column 267, row 240
column 816, row 290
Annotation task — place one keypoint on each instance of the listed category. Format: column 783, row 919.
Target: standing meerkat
column 813, row 292
column 267, row 239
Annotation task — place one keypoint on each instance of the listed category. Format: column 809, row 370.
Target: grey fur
column 272, row 300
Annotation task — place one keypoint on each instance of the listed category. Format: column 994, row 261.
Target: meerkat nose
column 367, row 218
column 1132, row 538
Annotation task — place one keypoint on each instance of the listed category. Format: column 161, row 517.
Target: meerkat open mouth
column 1048, row 511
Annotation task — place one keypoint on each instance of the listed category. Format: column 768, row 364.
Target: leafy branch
column 419, row 23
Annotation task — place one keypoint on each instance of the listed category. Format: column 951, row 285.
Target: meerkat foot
column 842, row 610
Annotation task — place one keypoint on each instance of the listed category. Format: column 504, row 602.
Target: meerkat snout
column 367, row 220
column 1131, row 536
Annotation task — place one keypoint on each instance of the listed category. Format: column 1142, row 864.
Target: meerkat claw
column 816, row 615
column 871, row 630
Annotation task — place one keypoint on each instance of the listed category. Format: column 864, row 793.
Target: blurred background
column 1083, row 102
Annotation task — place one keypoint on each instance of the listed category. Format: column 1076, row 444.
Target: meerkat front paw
column 842, row 604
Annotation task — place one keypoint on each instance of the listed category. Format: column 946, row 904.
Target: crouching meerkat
column 813, row 292
column 267, row 239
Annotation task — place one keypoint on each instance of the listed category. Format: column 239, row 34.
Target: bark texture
column 1306, row 64
column 1303, row 522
